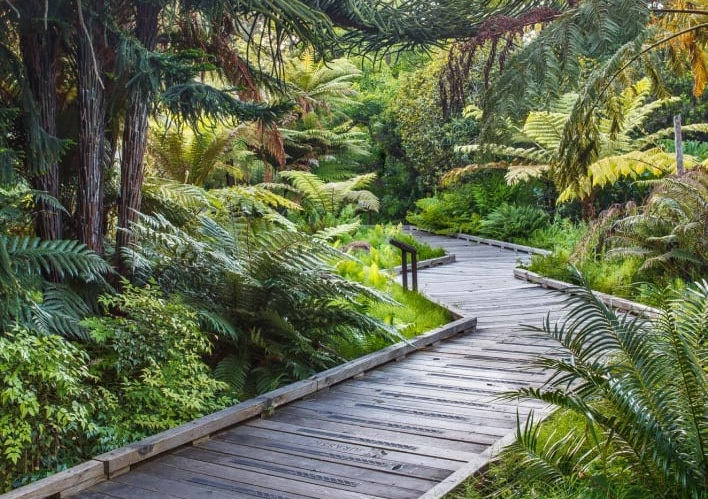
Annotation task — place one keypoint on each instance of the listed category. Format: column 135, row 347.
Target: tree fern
column 325, row 202
column 670, row 232
column 610, row 151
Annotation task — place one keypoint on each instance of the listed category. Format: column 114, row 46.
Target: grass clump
column 412, row 314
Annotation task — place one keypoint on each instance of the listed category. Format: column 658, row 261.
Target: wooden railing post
column 405, row 249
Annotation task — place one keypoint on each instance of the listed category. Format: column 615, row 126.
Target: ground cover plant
column 373, row 265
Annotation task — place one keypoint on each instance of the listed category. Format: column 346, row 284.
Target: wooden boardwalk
column 410, row 428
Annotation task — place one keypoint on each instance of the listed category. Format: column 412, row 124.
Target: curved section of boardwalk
column 407, row 429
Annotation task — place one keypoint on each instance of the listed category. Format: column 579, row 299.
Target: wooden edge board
column 448, row 484
column 117, row 461
column 337, row 374
column 477, row 466
column 503, row 244
column 89, row 473
column 431, row 262
column 610, row 300
column 491, row 242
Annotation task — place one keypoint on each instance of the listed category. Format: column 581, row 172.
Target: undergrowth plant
column 513, row 223
column 410, row 313
column 149, row 351
column 268, row 292
column 47, row 406
column 641, row 386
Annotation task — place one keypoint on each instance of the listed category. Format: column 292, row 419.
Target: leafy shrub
column 562, row 234
column 446, row 214
column 149, row 353
column 461, row 207
column 46, row 405
column 615, row 277
column 556, row 265
column 513, row 223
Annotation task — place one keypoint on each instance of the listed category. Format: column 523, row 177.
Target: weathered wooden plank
column 76, row 478
column 95, row 495
column 441, row 364
column 477, row 414
column 323, row 463
column 475, row 402
column 462, row 430
column 310, row 471
column 441, row 390
column 241, row 481
column 118, row 460
column 400, row 462
column 383, row 439
column 195, row 489
column 124, row 491
column 508, row 376
column 612, row 301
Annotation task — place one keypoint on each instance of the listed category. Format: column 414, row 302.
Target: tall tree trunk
column 40, row 52
column 135, row 134
column 92, row 108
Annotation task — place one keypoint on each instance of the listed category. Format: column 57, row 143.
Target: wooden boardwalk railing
column 410, row 421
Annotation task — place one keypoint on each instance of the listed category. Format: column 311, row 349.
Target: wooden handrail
column 405, row 249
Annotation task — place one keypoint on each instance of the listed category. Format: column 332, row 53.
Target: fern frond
column 364, row 200
column 336, row 232
column 233, row 371
column 67, row 258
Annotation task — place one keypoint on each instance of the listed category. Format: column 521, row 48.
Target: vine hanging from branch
column 502, row 34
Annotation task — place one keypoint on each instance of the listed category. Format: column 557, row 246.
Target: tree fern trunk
column 92, row 106
column 40, row 53
column 135, row 133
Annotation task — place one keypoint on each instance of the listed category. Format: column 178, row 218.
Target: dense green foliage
column 149, row 352
column 146, row 280
column 47, row 405
column 638, row 391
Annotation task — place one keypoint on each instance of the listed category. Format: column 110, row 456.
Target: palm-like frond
column 632, row 165
column 316, row 85
column 670, row 233
column 67, row 258
column 315, row 144
column 311, row 187
column 364, row 200
column 336, row 232
column 187, row 156
column 269, row 290
column 643, row 383
column 33, row 301
column 328, row 198
column 551, row 460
